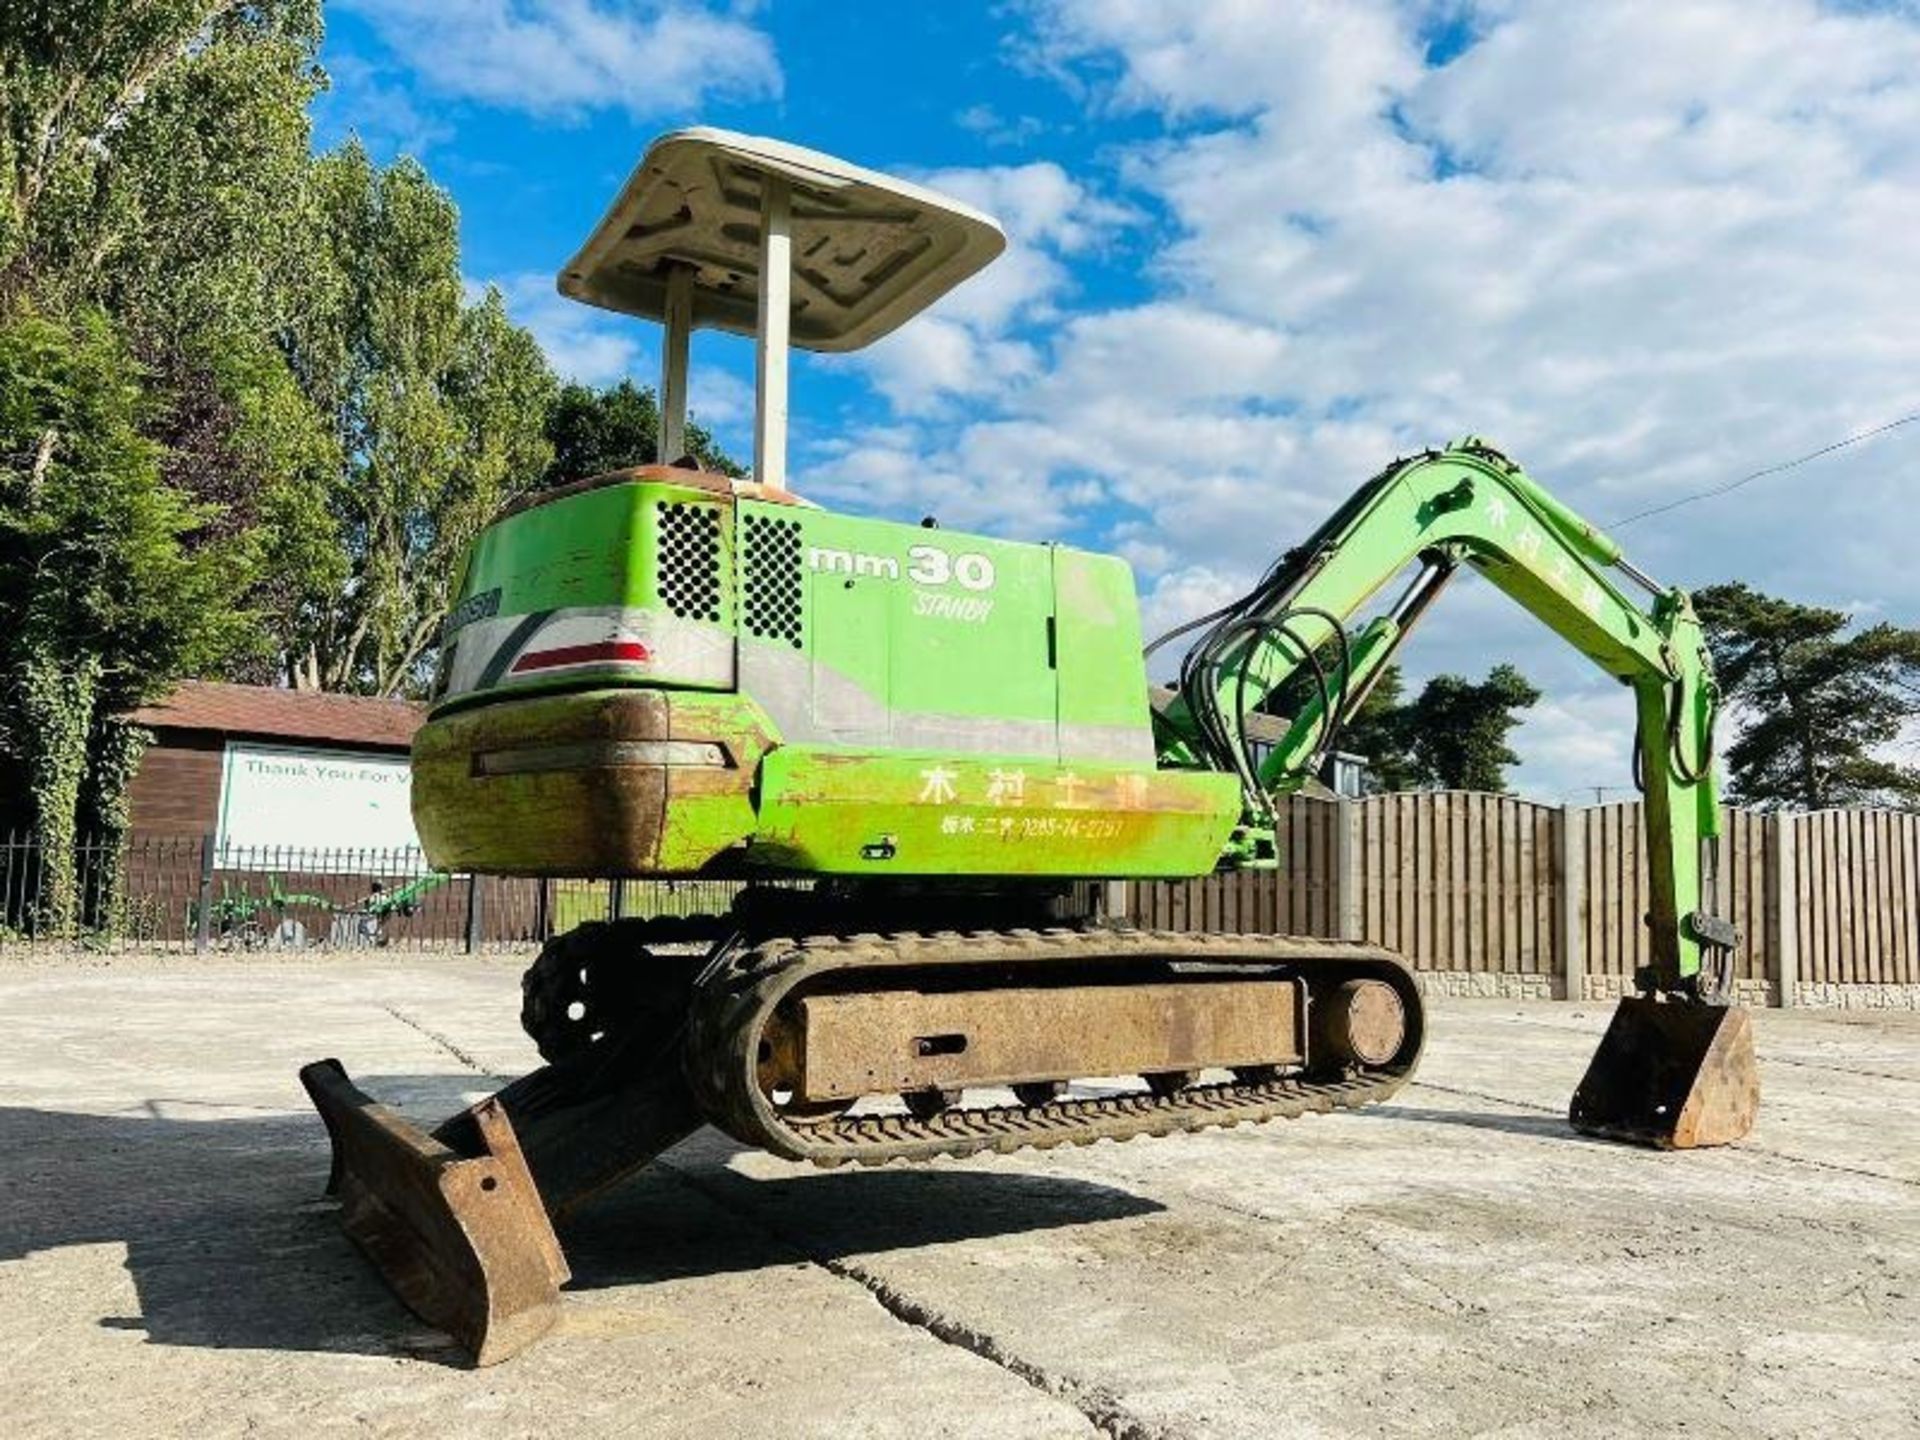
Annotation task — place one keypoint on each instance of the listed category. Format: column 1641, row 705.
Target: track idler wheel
column 1163, row 1083
column 1039, row 1092
column 1358, row 1022
column 1673, row 1073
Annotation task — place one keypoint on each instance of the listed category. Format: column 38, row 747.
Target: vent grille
column 689, row 573
column 772, row 589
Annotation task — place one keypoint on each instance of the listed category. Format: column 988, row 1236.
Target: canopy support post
column 673, row 364
column 770, row 358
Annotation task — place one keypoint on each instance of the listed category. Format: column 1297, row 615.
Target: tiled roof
column 284, row 714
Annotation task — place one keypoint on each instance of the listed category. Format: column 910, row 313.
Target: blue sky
column 1260, row 248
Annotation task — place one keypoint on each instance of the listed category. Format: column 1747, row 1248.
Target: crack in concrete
column 445, row 1044
column 1099, row 1406
column 1844, row 1070
column 1566, row 1029
column 1744, row 1147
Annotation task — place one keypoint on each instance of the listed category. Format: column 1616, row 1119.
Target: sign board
column 286, row 797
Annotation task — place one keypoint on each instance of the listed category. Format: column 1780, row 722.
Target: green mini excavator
column 913, row 743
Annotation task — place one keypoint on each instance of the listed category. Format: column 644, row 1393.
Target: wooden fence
column 1546, row 899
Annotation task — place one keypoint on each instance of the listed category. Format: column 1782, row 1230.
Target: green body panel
column 837, row 811
column 926, row 621
column 597, row 549
column 876, row 664
column 593, row 548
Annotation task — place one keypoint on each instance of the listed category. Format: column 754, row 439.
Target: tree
column 153, row 164
column 1457, row 730
column 1452, row 736
column 594, row 431
column 437, row 409
column 149, row 154
column 1378, row 730
column 152, row 159
column 1818, row 708
column 107, row 591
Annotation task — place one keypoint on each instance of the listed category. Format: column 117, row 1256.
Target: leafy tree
column 1818, row 707
column 1457, row 730
column 150, row 156
column 1379, row 731
column 594, row 431
column 107, row 591
column 437, row 408
column 1452, row 736
column 153, row 164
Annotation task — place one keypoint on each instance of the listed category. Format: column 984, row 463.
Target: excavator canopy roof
column 869, row 251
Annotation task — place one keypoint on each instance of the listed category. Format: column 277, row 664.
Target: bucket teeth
column 463, row 1240
column 1674, row 1074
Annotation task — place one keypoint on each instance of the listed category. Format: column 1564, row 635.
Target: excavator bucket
column 1674, row 1074
column 463, row 1240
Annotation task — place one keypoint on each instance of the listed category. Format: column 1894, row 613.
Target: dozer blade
column 464, row 1241
column 1674, row 1074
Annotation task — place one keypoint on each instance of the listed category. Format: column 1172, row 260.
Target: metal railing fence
column 189, row 892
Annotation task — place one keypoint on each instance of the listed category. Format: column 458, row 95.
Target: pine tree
column 1819, row 710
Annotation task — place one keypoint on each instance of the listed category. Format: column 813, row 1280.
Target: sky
column 1258, row 249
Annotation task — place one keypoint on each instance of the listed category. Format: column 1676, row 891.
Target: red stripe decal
column 631, row 652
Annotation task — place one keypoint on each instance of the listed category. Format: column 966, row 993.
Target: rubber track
column 735, row 1006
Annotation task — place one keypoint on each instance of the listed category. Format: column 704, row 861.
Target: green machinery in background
column 666, row 672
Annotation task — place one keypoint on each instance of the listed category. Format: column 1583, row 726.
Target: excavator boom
column 1465, row 505
column 1676, row 1068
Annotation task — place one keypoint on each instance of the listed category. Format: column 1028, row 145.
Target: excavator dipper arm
column 1676, row 1046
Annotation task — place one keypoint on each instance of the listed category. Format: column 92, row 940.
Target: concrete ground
column 1455, row 1262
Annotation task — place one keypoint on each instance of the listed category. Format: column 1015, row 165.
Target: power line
column 1770, row 470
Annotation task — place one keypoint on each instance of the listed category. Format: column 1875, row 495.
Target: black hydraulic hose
column 1280, row 627
column 1333, row 712
column 1333, row 699
column 1676, row 759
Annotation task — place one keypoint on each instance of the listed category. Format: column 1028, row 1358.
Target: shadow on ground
column 1539, row 1127
column 230, row 1243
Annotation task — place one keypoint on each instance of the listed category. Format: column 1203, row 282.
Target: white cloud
column 584, row 344
column 598, row 348
column 569, row 57
column 964, row 347
column 1647, row 246
column 998, row 130
column 1577, row 742
column 720, row 399
column 369, row 101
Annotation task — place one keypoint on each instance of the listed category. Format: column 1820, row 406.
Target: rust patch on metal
column 1674, row 1074
column 463, row 1240
column 889, row 1042
column 1360, row 1022
column 732, row 1016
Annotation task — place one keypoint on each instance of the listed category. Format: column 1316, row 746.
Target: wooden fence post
column 1346, row 870
column 1113, row 901
column 1783, row 905
column 1571, row 937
